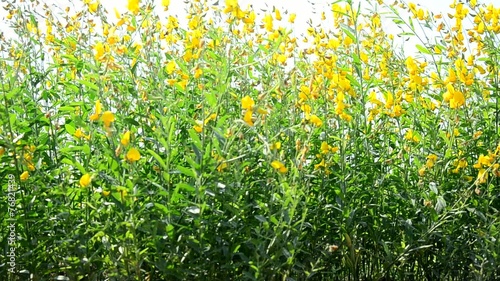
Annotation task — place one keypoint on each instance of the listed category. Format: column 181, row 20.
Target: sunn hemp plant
column 228, row 145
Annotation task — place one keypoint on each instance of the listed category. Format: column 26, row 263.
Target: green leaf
column 90, row 85
column 67, row 161
column 170, row 230
column 348, row 31
column 70, row 129
column 211, row 98
column 86, row 149
column 79, row 167
column 186, row 171
column 158, row 158
column 74, row 164
column 66, row 108
column 186, row 187
column 261, row 218
column 162, row 208
column 423, row 49
column 131, row 121
column 406, row 34
column 195, row 138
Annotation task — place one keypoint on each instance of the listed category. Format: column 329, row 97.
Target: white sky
column 304, row 9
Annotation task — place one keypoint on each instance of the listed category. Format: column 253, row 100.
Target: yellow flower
column 462, row 163
column 483, row 161
column 223, row 164
column 2, row 151
column 421, row 172
column 165, row 3
column 268, row 22
column 482, row 176
column 198, row 127
column 197, row 73
column 85, row 180
column 250, row 18
column 80, row 134
column 277, row 14
column 105, row 193
column 133, row 155
column 279, row 166
column 212, row 116
column 125, row 138
column 398, row 110
column 454, row 97
column 100, row 51
column 31, row 166
column 281, row 58
column 495, row 170
column 247, row 102
column 316, row 121
column 221, row 167
column 171, row 67
column 108, row 117
column 320, row 165
column 117, row 14
column 306, row 109
column 93, row 6
column 345, row 117
column 133, row 6
column 24, row 176
column 123, row 191
column 411, row 137
column 98, row 109
column 325, row 148
column 458, row 100
column 389, row 101
column 276, row 146
column 477, row 135
column 431, row 160
column 230, row 6
column 292, row 17
column 372, row 97
column 248, row 117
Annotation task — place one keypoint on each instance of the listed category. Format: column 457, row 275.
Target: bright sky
column 304, row 9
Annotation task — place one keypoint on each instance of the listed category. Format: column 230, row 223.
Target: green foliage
column 222, row 149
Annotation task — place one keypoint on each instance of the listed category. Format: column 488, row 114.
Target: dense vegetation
column 134, row 146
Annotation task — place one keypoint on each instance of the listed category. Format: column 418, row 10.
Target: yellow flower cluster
column 106, row 117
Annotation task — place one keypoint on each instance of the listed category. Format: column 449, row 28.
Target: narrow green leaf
column 186, row 187
column 162, row 208
column 90, row 85
column 67, row 161
column 157, row 158
column 66, row 109
column 186, row 171
column 195, row 138
column 348, row 31
column 423, row 49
